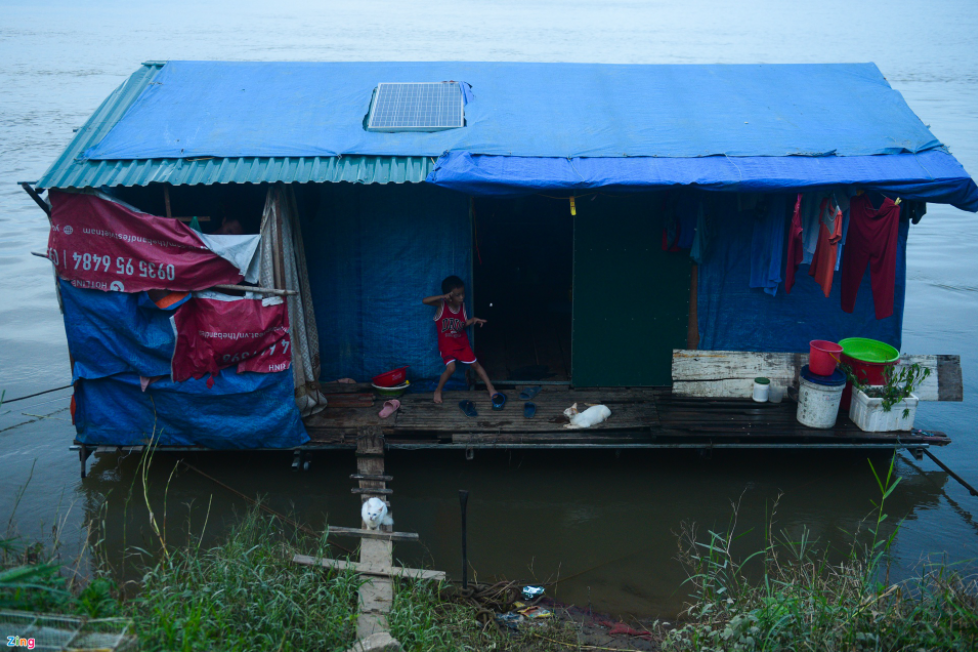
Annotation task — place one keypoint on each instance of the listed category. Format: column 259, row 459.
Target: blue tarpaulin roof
column 227, row 109
column 822, row 123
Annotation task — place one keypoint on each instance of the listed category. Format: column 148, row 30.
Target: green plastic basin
column 867, row 350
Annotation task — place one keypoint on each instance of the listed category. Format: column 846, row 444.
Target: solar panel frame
column 416, row 106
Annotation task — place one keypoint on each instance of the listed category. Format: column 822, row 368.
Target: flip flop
column 468, row 407
column 498, row 401
column 528, row 393
column 529, row 409
column 390, row 407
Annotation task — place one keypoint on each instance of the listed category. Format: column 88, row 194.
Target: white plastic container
column 867, row 413
column 819, row 398
column 762, row 386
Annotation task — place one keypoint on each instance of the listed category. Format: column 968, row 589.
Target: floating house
column 624, row 229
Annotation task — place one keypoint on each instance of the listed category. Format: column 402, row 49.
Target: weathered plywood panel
column 730, row 374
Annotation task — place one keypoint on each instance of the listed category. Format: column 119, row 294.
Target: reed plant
column 245, row 594
column 791, row 595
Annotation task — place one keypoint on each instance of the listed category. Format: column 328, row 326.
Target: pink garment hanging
column 795, row 249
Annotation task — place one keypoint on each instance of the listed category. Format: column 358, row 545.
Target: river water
column 604, row 525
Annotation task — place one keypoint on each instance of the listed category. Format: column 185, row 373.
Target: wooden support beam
column 373, row 534
column 29, row 189
column 374, row 478
column 378, row 491
column 368, row 569
column 257, row 290
column 166, row 199
column 730, row 374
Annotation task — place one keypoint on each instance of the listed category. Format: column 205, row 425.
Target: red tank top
column 450, row 325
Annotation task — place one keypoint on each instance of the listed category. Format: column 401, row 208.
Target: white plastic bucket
column 818, row 404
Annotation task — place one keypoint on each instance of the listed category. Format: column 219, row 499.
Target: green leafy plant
column 897, row 386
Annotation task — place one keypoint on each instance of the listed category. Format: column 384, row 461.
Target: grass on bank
column 799, row 600
column 246, row 594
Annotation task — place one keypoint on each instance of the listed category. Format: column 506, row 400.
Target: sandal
column 390, row 407
column 498, row 401
column 528, row 393
column 468, row 407
column 529, row 409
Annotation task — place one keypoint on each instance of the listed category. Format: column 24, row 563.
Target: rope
column 47, row 391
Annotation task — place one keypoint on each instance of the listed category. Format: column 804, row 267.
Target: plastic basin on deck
column 869, row 360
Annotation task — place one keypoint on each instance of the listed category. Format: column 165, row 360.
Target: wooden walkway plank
column 394, row 571
column 373, row 534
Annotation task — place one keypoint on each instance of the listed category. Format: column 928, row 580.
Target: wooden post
column 166, row 198
column 693, row 330
column 377, row 594
column 463, row 499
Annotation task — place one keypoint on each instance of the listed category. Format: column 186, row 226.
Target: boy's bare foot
column 438, row 396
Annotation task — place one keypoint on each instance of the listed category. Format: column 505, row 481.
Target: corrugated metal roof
column 69, row 171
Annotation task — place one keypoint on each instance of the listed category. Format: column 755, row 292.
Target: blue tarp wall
column 732, row 316
column 116, row 337
column 374, row 253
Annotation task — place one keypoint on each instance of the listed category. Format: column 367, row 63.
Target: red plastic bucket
column 869, row 372
column 823, row 357
column 391, row 378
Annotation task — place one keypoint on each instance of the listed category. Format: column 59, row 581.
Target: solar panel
column 416, row 107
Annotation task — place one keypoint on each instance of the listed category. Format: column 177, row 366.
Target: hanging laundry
column 913, row 211
column 829, row 235
column 795, row 246
column 872, row 240
column 845, row 230
column 767, row 242
column 809, row 222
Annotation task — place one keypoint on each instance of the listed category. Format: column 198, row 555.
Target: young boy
column 450, row 323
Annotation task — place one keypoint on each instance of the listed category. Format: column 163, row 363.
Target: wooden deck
column 640, row 418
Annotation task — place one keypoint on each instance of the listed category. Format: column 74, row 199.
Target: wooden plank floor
column 637, row 415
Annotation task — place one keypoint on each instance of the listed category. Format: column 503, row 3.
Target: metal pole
column 463, row 499
column 939, row 463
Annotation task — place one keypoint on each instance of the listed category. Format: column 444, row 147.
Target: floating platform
column 640, row 418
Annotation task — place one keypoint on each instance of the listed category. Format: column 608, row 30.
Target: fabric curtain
column 283, row 266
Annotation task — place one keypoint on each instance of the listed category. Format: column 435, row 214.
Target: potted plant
column 888, row 407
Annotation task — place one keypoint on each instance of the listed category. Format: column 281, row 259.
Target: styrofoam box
column 867, row 413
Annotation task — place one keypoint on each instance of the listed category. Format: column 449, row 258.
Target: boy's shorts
column 460, row 351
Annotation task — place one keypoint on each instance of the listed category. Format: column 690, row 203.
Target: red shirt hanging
column 872, row 240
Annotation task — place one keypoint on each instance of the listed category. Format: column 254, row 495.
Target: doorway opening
column 522, row 285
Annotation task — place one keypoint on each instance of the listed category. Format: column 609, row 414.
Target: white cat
column 374, row 514
column 589, row 417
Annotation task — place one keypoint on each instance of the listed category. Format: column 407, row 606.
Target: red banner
column 99, row 244
column 213, row 335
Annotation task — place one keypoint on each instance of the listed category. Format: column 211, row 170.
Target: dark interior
column 211, row 204
column 522, row 280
